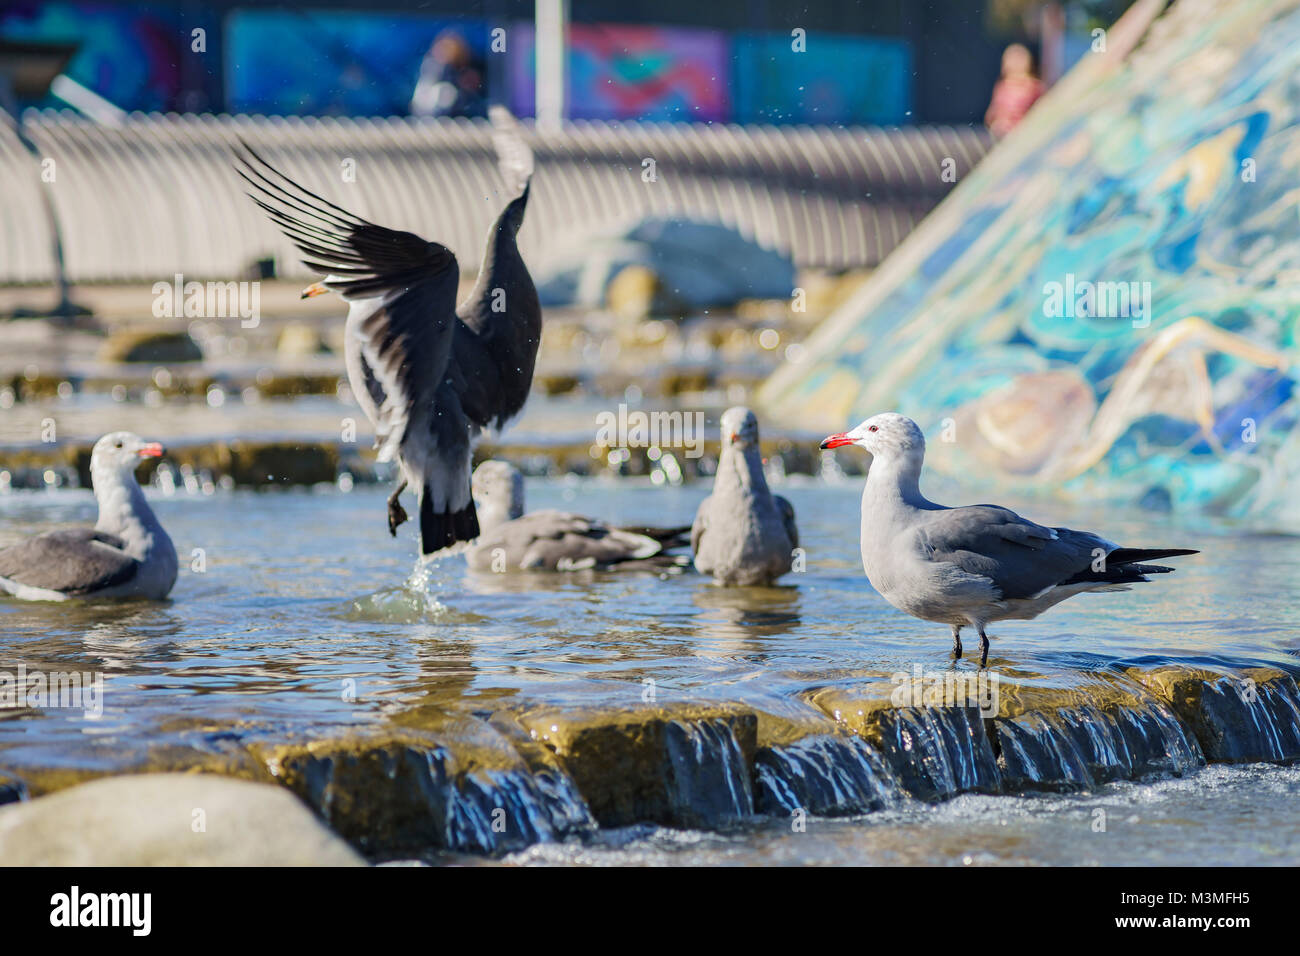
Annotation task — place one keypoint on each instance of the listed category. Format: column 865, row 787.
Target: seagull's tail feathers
column 439, row 530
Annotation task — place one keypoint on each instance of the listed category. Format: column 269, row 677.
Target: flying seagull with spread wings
column 432, row 377
column 977, row 564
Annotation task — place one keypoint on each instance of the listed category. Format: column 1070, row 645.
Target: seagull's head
column 498, row 490
column 120, row 453
column 887, row 435
column 739, row 428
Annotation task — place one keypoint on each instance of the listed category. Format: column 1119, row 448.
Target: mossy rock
column 689, row 766
column 156, row 346
column 282, row 463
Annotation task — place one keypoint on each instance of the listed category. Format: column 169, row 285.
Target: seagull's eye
column 874, row 428
column 117, row 444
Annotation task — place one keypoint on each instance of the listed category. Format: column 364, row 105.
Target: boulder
column 155, row 346
column 668, row 264
column 169, row 819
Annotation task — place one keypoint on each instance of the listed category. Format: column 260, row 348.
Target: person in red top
column 1015, row 91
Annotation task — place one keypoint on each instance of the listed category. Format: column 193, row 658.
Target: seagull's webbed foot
column 396, row 513
column 956, row 642
column 984, row 647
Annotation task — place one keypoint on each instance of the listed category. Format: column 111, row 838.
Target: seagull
column 743, row 534
column 555, row 540
column 432, row 377
column 973, row 565
column 126, row 555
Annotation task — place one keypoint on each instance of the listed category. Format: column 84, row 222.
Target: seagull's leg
column 396, row 513
column 956, row 641
column 984, row 646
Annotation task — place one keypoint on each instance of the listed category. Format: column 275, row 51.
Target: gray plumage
column 126, row 554
column 548, row 540
column 975, row 564
column 743, row 534
column 432, row 377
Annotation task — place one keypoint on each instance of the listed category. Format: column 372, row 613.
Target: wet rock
column 825, row 775
column 282, row 463
column 12, row 789
column 1250, row 716
column 936, row 752
column 157, row 346
column 168, row 820
column 401, row 794
column 1075, row 748
column 682, row 767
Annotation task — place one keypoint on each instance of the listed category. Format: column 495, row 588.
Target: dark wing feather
column 500, row 326
column 1020, row 558
column 407, row 339
column 72, row 562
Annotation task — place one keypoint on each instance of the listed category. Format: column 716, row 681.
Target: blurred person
column 1016, row 90
column 451, row 82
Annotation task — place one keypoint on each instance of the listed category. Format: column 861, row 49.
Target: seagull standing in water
column 555, row 540
column 126, row 555
column 431, row 377
column 977, row 564
column 743, row 534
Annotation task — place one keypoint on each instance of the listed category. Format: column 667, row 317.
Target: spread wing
column 500, row 327
column 399, row 337
column 73, row 562
column 1020, row 558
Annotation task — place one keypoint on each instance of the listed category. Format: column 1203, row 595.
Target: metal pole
column 552, row 27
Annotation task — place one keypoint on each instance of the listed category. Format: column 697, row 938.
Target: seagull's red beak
column 151, row 450
column 835, row 441
column 317, row 288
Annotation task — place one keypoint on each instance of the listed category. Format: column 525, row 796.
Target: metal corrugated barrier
column 158, row 194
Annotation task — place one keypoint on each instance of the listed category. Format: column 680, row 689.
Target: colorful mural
column 618, row 71
column 139, row 57
column 1108, row 305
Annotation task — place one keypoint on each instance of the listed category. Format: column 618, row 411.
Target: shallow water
column 306, row 617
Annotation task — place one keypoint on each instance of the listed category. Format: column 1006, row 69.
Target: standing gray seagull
column 743, row 534
column 972, row 565
column 431, row 377
column 126, row 555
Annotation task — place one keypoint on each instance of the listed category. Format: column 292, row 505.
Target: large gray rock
column 696, row 263
column 169, row 819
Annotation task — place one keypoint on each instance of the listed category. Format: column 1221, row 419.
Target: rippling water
column 304, row 594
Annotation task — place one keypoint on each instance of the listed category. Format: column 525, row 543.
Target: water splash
column 938, row 752
column 825, row 775
column 1078, row 748
column 1246, row 723
column 709, row 784
column 499, row 811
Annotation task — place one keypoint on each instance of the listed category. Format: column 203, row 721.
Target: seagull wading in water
column 556, row 540
column 977, row 564
column 431, row 377
column 126, row 555
column 743, row 534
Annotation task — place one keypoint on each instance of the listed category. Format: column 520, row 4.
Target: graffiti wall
column 1108, row 305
